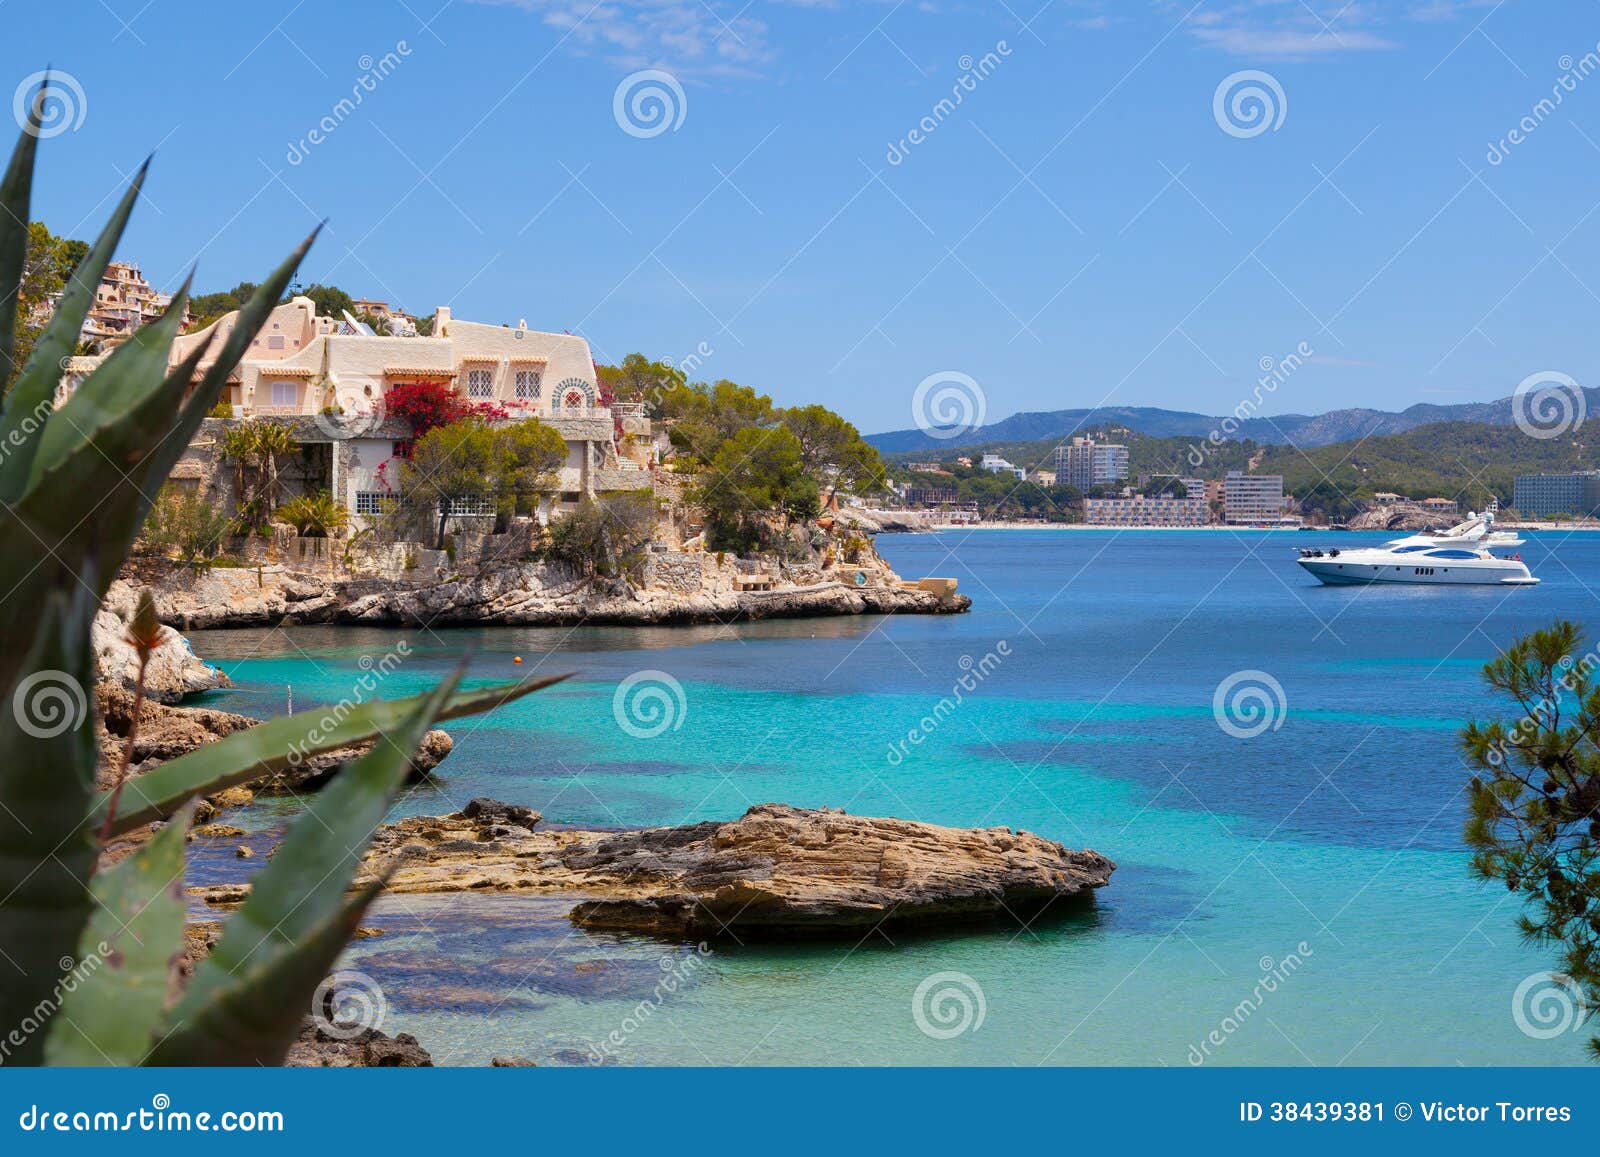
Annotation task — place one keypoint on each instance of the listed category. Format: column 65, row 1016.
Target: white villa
column 333, row 382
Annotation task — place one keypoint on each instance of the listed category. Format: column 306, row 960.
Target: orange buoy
column 518, row 659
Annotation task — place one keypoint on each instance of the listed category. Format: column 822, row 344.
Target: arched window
column 574, row 394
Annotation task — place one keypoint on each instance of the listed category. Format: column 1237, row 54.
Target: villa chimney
column 441, row 321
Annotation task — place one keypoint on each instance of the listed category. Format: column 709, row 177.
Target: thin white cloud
column 689, row 38
column 1290, row 29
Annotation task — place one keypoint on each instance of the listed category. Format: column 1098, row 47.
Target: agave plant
column 75, row 485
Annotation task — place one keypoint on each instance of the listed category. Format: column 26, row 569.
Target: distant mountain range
column 1300, row 429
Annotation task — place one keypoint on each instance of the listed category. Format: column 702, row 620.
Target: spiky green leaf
column 16, row 196
column 47, row 759
column 254, row 1018
column 29, row 404
column 276, row 947
column 127, row 959
column 282, row 743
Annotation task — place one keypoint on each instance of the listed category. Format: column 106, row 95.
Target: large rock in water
column 786, row 869
column 777, row 869
column 173, row 672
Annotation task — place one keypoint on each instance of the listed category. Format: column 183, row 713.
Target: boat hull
column 1339, row 572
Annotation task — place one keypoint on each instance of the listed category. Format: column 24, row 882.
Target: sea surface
column 1291, row 886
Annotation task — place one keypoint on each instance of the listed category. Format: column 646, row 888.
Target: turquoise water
column 1323, row 851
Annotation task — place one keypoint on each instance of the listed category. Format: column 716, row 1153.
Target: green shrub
column 188, row 526
column 317, row 515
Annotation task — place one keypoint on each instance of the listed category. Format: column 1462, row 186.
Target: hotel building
column 1252, row 498
column 1138, row 511
column 1544, row 495
column 1084, row 463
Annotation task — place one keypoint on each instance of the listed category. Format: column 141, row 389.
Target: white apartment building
column 1084, row 463
column 1252, row 498
column 1140, row 511
column 995, row 464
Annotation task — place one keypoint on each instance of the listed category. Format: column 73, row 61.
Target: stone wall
column 676, row 571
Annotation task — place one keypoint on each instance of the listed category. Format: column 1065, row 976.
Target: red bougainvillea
column 427, row 405
column 424, row 405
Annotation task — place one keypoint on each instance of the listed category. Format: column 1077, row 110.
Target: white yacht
column 1462, row 554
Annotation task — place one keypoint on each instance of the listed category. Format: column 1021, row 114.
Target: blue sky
column 1082, row 228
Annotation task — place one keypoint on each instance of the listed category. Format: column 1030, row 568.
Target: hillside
column 1467, row 461
column 1304, row 430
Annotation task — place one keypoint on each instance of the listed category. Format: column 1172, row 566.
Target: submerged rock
column 777, row 869
column 167, row 732
column 316, row 1048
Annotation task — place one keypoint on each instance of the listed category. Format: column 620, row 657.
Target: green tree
column 255, row 449
column 707, row 416
column 48, row 261
column 473, row 463
column 208, row 307
column 1535, row 796
column 331, row 301
column 638, row 379
column 832, row 451
column 757, row 475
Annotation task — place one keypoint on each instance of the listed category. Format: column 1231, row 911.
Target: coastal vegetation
column 93, row 946
column 185, row 525
column 607, row 536
column 1535, row 797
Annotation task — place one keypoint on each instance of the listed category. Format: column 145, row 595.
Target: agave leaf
column 100, row 409
column 47, row 759
column 272, row 952
column 281, row 743
column 255, row 1016
column 16, row 193
column 127, row 496
column 128, row 958
column 31, row 398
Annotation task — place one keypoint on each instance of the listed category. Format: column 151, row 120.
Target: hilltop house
column 330, row 386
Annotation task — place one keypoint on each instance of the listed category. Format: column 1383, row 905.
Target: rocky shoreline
column 498, row 580
column 776, row 871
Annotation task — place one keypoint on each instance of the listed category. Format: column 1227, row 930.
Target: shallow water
column 1323, row 853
